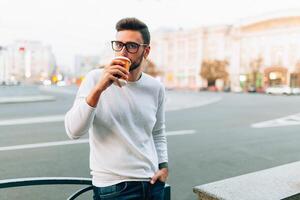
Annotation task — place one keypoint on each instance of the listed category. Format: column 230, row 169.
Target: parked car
column 296, row 91
column 283, row 89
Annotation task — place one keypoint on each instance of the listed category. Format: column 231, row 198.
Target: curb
column 25, row 99
column 277, row 183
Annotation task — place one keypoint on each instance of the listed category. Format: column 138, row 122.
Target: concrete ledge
column 271, row 184
column 25, row 99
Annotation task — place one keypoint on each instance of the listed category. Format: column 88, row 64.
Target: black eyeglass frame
column 126, row 46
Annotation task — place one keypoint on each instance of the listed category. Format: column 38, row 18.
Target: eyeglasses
column 130, row 47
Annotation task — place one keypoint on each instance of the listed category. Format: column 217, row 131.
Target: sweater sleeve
column 80, row 117
column 159, row 133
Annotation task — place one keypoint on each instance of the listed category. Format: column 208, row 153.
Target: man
column 126, row 125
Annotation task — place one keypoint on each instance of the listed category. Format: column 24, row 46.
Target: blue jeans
column 131, row 190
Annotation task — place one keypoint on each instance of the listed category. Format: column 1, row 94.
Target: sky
column 83, row 27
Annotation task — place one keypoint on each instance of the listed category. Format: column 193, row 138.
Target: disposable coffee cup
column 126, row 66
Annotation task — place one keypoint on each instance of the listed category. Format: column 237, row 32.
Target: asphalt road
column 222, row 142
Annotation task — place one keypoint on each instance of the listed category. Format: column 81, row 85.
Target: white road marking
column 60, row 118
column 182, row 132
column 32, row 120
column 46, row 144
column 201, row 103
column 290, row 120
column 80, row 141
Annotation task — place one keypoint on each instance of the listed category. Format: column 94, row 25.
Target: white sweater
column 126, row 130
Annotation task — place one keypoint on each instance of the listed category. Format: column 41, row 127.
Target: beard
column 136, row 64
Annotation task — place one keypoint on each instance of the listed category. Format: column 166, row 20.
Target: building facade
column 260, row 52
column 84, row 64
column 27, row 61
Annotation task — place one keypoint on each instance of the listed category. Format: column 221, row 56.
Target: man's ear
column 147, row 51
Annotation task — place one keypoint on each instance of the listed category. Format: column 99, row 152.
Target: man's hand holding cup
column 116, row 72
column 127, row 63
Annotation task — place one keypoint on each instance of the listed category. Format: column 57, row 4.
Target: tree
column 211, row 70
column 150, row 68
column 255, row 66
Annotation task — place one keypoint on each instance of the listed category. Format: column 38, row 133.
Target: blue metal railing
column 9, row 183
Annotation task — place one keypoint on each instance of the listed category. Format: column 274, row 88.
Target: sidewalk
column 22, row 94
column 25, row 99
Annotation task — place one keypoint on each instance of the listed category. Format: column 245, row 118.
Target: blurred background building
column 84, row 64
column 26, row 61
column 250, row 55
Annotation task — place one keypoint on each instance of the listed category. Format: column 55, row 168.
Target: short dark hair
column 134, row 24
